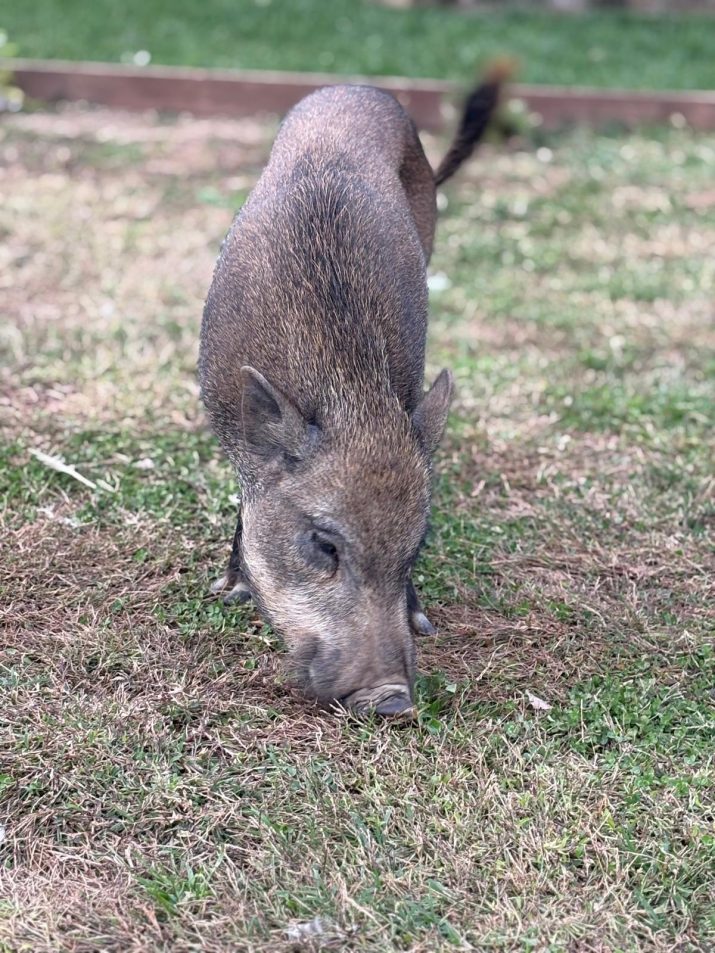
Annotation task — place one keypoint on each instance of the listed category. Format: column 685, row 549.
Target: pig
column 311, row 366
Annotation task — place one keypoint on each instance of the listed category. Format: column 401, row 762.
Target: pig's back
column 365, row 122
column 321, row 281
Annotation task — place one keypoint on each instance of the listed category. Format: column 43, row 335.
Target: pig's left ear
column 430, row 415
column 270, row 423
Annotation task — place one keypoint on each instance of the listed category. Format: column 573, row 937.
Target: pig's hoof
column 233, row 587
column 239, row 594
column 421, row 624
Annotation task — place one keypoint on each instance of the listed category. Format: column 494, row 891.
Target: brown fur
column 311, row 366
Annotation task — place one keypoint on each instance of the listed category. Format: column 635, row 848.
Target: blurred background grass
column 605, row 48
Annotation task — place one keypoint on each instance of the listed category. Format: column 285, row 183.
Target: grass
column 161, row 785
column 606, row 48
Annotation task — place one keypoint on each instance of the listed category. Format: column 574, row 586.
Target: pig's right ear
column 270, row 423
column 430, row 415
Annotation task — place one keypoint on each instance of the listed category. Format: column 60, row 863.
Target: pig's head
column 331, row 532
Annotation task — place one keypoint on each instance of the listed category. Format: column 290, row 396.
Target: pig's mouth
column 393, row 700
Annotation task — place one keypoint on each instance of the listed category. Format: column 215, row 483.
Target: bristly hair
column 478, row 111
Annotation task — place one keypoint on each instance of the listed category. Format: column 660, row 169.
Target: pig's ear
column 270, row 423
column 430, row 415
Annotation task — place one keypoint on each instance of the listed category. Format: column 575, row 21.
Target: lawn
column 607, row 48
column 161, row 787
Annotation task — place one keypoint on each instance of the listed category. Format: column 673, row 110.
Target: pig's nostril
column 398, row 704
column 391, row 700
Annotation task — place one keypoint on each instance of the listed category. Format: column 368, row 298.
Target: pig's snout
column 365, row 665
column 397, row 704
column 390, row 700
column 356, row 682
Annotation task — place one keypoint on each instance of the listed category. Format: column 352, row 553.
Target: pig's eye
column 324, row 553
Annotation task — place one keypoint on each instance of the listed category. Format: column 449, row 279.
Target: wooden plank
column 557, row 105
column 206, row 92
column 214, row 92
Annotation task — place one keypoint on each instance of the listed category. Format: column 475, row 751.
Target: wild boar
column 311, row 367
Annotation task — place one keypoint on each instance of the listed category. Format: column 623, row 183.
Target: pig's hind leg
column 233, row 583
column 419, row 622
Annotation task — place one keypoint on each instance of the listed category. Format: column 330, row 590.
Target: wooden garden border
column 219, row 92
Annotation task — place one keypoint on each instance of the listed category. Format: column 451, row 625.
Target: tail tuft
column 501, row 70
column 478, row 111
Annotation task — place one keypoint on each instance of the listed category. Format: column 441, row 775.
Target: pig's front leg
column 419, row 622
column 233, row 583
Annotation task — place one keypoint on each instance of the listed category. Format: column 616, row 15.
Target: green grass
column 357, row 36
column 162, row 784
